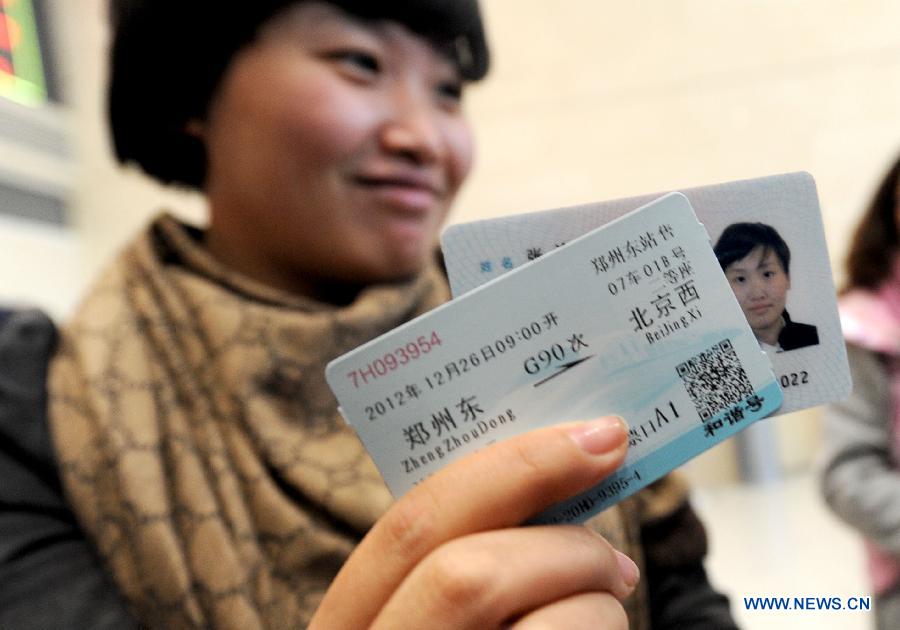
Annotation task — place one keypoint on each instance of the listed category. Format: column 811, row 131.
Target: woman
column 197, row 441
column 861, row 480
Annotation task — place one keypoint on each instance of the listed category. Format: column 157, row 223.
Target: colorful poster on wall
column 21, row 69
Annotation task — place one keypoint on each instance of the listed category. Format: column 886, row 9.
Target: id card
column 653, row 334
column 795, row 318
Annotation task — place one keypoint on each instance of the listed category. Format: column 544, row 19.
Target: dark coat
column 795, row 335
column 49, row 572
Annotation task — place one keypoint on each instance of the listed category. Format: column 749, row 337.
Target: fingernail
column 599, row 436
column 629, row 570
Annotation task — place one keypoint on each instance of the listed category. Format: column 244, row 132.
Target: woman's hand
column 451, row 554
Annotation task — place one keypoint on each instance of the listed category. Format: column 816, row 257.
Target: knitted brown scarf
column 201, row 448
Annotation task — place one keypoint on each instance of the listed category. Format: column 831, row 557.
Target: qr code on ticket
column 715, row 379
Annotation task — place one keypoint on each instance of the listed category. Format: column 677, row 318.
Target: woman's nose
column 411, row 128
column 757, row 289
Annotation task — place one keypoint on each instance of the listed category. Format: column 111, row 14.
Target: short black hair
column 739, row 239
column 168, row 57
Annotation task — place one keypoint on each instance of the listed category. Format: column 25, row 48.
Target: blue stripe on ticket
column 632, row 477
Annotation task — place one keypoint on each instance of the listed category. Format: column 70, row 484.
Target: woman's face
column 335, row 147
column 760, row 285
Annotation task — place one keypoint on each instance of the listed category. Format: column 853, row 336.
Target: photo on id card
column 769, row 239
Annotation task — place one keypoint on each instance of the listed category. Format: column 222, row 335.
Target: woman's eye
column 452, row 90
column 357, row 59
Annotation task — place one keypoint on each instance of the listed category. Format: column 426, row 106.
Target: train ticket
column 634, row 318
